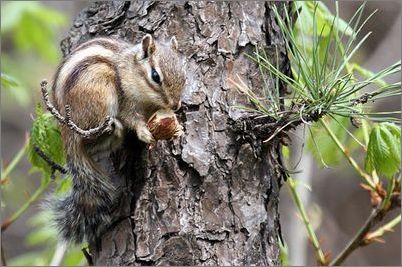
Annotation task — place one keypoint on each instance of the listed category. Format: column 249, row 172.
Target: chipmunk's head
column 165, row 70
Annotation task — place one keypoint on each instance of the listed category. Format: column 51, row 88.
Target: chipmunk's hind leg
column 94, row 94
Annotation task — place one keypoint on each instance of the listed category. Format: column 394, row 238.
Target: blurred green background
column 30, row 35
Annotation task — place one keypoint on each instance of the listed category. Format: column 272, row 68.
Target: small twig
column 88, row 257
column 93, row 132
column 361, row 238
column 321, row 258
column 24, row 207
column 357, row 240
column 278, row 131
column 375, row 235
column 53, row 165
column 49, row 106
column 363, row 98
column 17, row 158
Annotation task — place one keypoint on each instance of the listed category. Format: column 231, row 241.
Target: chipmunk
column 102, row 78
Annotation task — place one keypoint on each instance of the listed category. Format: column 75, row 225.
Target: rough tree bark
column 210, row 198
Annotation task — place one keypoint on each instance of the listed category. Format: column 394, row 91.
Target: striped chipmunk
column 104, row 87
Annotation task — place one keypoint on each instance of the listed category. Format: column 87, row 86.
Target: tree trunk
column 210, row 198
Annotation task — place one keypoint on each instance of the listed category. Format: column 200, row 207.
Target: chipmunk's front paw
column 145, row 135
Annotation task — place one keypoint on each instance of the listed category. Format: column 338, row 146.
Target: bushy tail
column 85, row 212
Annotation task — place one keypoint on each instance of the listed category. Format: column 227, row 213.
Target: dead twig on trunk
column 105, row 127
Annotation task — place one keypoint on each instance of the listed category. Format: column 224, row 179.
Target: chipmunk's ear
column 173, row 43
column 148, row 45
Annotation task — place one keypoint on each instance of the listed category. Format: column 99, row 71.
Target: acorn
column 163, row 124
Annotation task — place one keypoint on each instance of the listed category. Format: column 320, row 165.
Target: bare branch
column 93, row 132
column 360, row 239
column 357, row 240
column 105, row 127
column 49, row 106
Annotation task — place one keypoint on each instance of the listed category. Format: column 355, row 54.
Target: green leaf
column 8, row 81
column 33, row 27
column 11, row 13
column 325, row 148
column 383, row 151
column 39, row 35
column 46, row 136
column 324, row 19
column 17, row 75
column 74, row 257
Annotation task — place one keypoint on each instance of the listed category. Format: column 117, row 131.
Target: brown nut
column 163, row 124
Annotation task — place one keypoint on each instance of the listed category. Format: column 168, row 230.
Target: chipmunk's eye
column 155, row 76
